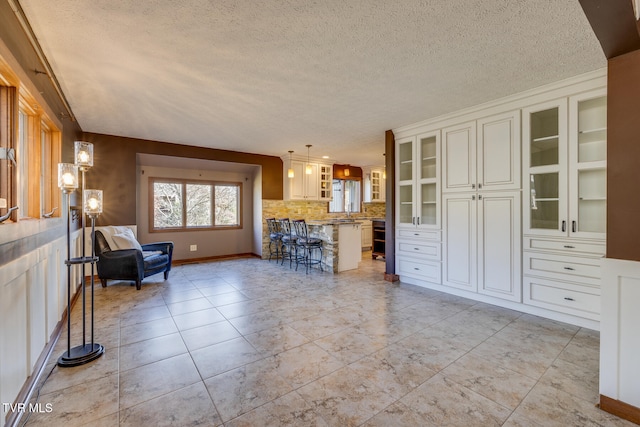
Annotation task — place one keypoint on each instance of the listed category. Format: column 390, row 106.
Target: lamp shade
column 83, row 154
column 92, row 202
column 67, row 177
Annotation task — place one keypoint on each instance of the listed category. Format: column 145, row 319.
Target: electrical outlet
column 193, row 248
column 3, row 203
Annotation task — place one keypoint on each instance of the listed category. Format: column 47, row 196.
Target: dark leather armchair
column 131, row 264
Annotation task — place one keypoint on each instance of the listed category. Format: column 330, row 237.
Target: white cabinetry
column 313, row 186
column 349, row 250
column 418, row 183
column 366, row 235
column 565, row 203
column 418, row 242
column 374, row 184
column 482, row 154
column 516, row 214
column 482, row 243
column 481, row 203
column 418, row 255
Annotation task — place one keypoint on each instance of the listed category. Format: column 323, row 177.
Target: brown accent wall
column 623, row 157
column 354, row 172
column 114, row 170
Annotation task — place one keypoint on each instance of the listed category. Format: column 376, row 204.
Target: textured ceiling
column 271, row 76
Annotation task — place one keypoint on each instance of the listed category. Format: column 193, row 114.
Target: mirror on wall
column 346, row 196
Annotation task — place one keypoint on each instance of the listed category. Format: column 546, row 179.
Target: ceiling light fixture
column 308, row 169
column 290, row 173
column 346, row 171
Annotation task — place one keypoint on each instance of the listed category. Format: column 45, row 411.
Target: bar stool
column 288, row 242
column 275, row 237
column 307, row 245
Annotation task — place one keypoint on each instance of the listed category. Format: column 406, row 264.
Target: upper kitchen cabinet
column 482, row 154
column 418, row 182
column 565, row 160
column 588, row 164
column 316, row 185
column 374, row 184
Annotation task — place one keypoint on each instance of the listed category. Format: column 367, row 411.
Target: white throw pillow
column 126, row 240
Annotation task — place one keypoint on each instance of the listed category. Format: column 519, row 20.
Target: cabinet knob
column 574, row 226
column 569, row 268
column 564, row 226
column 473, row 197
column 569, row 247
column 417, row 249
column 569, row 299
column 479, row 186
column 473, row 186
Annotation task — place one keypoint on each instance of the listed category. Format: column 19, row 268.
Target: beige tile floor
column 251, row 343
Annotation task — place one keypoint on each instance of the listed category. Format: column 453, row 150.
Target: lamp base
column 80, row 355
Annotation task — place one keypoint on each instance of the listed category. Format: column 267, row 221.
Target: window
column 31, row 144
column 194, row 205
column 346, row 196
column 37, row 154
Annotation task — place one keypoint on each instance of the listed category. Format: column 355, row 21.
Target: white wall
column 210, row 243
column 620, row 331
column 33, row 297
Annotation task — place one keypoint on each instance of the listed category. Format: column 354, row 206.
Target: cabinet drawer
column 429, row 250
column 566, row 246
column 420, row 234
column 567, row 298
column 583, row 270
column 422, row 270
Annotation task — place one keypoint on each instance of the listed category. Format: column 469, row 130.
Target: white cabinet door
column 459, row 227
column 459, row 157
column 544, row 158
column 297, row 190
column 498, row 163
column 349, row 250
column 499, row 243
column 418, row 181
column 367, row 235
column 588, row 165
column 303, row 186
column 313, row 189
column 405, row 182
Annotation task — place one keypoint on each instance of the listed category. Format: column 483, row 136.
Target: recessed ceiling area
column 272, row 76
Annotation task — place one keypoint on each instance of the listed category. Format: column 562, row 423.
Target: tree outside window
column 182, row 204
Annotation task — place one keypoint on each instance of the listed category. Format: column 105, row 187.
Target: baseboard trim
column 620, row 409
column 213, row 258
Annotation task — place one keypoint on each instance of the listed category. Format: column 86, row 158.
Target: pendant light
column 290, row 173
column 308, row 169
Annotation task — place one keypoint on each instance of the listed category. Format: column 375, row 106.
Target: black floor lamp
column 92, row 206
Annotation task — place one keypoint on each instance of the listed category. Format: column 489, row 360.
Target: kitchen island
column 341, row 243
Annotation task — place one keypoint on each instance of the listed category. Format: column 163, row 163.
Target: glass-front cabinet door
column 405, row 182
column 418, row 176
column 588, row 164
column 429, row 186
column 545, row 160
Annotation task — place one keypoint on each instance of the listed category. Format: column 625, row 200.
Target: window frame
column 31, row 183
column 184, row 183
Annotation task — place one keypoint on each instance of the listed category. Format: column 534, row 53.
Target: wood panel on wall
column 114, row 170
column 623, row 156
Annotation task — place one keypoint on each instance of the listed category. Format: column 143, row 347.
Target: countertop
column 339, row 221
